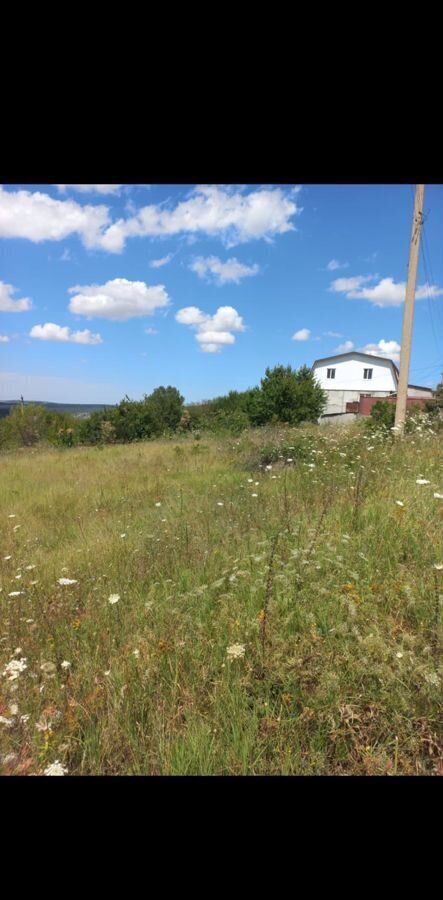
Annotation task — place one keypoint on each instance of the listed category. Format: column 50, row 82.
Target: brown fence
column 363, row 406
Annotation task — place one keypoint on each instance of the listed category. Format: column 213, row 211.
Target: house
column 354, row 381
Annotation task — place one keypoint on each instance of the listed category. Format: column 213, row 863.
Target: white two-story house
column 347, row 376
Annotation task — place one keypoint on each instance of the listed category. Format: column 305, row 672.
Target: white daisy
column 113, row 598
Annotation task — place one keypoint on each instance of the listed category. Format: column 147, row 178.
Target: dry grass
column 342, row 668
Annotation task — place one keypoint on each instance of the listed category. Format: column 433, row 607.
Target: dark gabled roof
column 368, row 356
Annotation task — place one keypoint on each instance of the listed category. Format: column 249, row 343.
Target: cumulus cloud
column 52, row 332
column 212, row 268
column 228, row 213
column 213, row 332
column 303, row 335
column 90, row 188
column 118, row 299
column 163, row 261
column 38, row 217
column 8, row 304
column 386, row 293
column 345, row 347
column 4, row 339
column 334, row 264
column 388, row 349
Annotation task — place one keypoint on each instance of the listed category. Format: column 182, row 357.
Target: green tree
column 290, row 396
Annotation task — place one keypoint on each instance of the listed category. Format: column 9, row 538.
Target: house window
column 367, row 373
column 330, row 373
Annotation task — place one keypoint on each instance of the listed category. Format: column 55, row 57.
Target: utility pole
column 408, row 315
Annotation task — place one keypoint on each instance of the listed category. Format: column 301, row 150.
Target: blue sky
column 107, row 290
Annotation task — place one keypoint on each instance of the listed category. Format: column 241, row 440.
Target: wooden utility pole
column 408, row 315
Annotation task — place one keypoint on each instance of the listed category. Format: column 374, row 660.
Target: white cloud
column 8, row 304
column 222, row 272
column 90, row 188
column 56, row 389
column 213, row 332
column 118, row 299
column 38, row 217
column 4, row 339
column 334, row 264
column 52, row 332
column 388, row 349
column 66, row 255
column 163, row 261
column 345, row 347
column 303, row 335
column 332, row 334
column 386, row 293
column 225, row 212
column 151, row 331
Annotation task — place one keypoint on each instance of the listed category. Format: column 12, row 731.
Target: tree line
column 285, row 395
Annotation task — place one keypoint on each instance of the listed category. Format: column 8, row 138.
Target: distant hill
column 80, row 410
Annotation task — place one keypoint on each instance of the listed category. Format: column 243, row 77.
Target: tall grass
column 326, row 586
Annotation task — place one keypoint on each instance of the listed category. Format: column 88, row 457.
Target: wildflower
column 158, row 504
column 13, row 709
column 76, row 624
column 29, row 568
column 250, row 480
column 136, row 653
column 65, row 664
column 48, row 668
column 108, row 672
column 254, row 495
column 16, row 527
column 432, row 678
column 149, row 604
column 399, row 503
column 438, row 496
column 56, row 768
column 219, row 503
column 438, row 566
column 14, row 668
column 12, row 516
column 123, row 535
column 25, row 718
column 15, row 593
column 235, row 651
column 17, row 651
column 7, row 557
column 290, row 459
column 66, row 581
column 8, row 722
column 422, row 481
column 113, row 598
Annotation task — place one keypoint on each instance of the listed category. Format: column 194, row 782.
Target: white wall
column 349, row 375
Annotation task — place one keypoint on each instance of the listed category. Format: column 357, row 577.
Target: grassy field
column 270, row 604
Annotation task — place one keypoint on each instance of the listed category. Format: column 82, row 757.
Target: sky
column 109, row 290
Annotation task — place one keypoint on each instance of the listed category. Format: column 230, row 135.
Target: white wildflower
column 438, row 496
column 422, row 481
column 250, row 480
column 113, row 598
column 29, row 568
column 123, row 535
column 219, row 503
column 56, row 768
column 13, row 709
column 438, row 566
column 8, row 722
column 18, row 651
column 254, row 495
column 399, row 503
column 399, row 655
column 15, row 593
column 7, row 557
column 66, row 581
column 16, row 527
column 158, row 504
column 12, row 516
column 136, row 653
column 65, row 664
column 432, row 678
column 235, row 651
column 14, row 668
